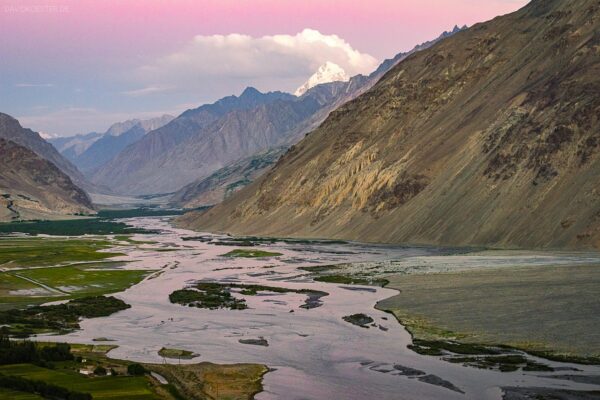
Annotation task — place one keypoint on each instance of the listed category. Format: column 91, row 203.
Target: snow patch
column 328, row 72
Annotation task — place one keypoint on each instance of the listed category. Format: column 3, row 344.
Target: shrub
column 136, row 369
column 100, row 370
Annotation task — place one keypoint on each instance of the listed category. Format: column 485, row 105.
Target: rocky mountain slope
column 11, row 129
column 490, row 137
column 34, row 188
column 208, row 190
column 226, row 181
column 200, row 141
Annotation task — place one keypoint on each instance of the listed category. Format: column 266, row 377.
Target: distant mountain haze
column 91, row 151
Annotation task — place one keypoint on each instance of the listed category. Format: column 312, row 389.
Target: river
column 313, row 353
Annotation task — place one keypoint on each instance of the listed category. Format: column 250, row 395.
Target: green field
column 6, row 394
column 37, row 251
column 552, row 310
column 59, row 365
column 83, row 280
column 71, row 227
column 34, row 270
column 61, row 283
column 104, row 387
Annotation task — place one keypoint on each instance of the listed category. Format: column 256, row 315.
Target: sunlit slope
column 490, row 137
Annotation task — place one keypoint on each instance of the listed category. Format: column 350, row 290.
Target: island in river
column 318, row 352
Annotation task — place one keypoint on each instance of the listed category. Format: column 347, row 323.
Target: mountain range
column 174, row 155
column 204, row 191
column 90, row 151
column 490, row 137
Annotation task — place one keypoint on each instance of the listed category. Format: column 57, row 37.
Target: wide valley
column 306, row 310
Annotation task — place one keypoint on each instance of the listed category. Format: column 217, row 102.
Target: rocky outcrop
column 34, row 188
column 490, row 137
column 11, row 129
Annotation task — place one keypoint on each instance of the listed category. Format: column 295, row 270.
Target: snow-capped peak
column 328, row 72
column 47, row 136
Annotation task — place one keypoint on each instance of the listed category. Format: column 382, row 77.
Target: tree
column 136, row 369
column 100, row 370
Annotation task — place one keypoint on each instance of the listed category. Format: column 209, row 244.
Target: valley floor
column 305, row 309
column 537, row 308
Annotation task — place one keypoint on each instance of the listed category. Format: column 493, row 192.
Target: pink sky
column 79, row 28
column 71, row 66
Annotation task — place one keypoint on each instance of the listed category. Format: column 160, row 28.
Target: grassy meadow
column 35, row 270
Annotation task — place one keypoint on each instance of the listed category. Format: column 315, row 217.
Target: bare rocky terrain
column 490, row 137
column 215, row 138
column 11, row 129
column 34, row 188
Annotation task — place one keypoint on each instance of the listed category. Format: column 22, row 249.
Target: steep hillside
column 34, row 188
column 328, row 96
column 170, row 157
column 226, row 181
column 490, row 137
column 11, row 129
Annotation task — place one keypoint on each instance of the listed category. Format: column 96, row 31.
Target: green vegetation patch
column 7, row 394
column 79, row 280
column 316, row 269
column 12, row 286
column 32, row 252
column 46, row 390
column 73, row 227
column 251, row 253
column 93, row 348
column 100, row 387
column 503, row 363
column 177, row 354
column 213, row 295
column 79, row 372
column 326, row 273
column 213, row 381
column 208, row 295
column 57, row 318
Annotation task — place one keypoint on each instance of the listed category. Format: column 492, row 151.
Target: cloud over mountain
column 268, row 62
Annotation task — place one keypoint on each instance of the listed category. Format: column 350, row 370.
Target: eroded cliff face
column 490, row 137
column 34, row 188
column 11, row 129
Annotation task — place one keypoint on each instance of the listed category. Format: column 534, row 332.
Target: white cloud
column 146, row 91
column 223, row 64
